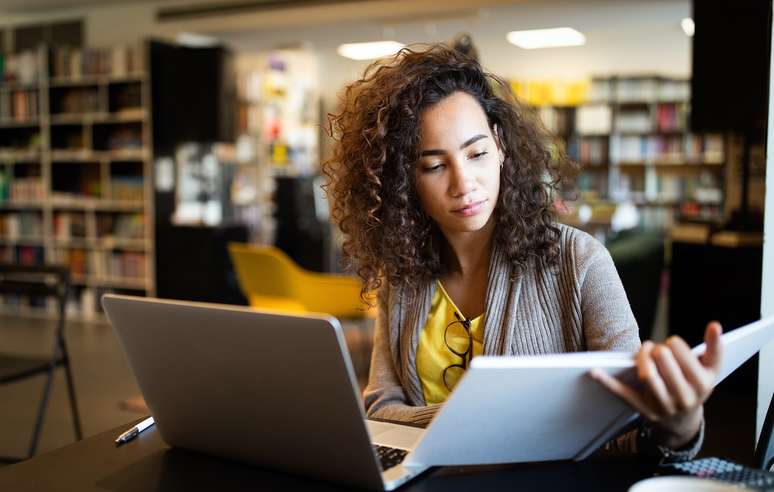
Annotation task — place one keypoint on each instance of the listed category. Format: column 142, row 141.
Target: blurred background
column 173, row 149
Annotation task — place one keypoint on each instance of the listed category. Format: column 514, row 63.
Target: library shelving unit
column 278, row 114
column 75, row 171
column 632, row 141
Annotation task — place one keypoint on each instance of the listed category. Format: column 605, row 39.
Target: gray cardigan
column 581, row 305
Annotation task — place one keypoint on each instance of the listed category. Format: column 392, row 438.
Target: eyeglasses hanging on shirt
column 459, row 340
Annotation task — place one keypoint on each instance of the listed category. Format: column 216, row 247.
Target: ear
column 498, row 143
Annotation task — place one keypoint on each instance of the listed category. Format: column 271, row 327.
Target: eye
column 479, row 155
column 431, row 168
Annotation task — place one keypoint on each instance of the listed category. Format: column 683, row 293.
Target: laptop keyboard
column 727, row 471
column 389, row 457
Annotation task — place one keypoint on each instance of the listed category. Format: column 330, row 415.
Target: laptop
column 264, row 388
column 278, row 390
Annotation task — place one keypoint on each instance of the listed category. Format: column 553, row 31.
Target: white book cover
column 547, row 407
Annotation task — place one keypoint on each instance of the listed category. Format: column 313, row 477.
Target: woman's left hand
column 674, row 384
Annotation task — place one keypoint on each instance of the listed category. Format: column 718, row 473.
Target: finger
column 693, row 371
column 648, row 373
column 641, row 359
column 713, row 354
column 623, row 391
column 682, row 394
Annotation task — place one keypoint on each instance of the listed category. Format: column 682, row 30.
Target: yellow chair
column 272, row 280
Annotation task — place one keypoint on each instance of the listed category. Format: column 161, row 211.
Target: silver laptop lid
column 271, row 389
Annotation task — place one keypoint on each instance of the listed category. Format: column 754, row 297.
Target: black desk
column 147, row 463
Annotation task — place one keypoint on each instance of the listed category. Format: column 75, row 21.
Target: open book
column 538, row 408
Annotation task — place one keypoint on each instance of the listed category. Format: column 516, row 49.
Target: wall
column 106, row 25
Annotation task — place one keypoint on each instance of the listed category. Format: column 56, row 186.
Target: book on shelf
column 629, row 148
column 76, row 260
column 98, row 264
column 75, row 100
column 117, row 265
column 656, row 217
column 121, row 226
column 593, row 119
column 674, row 89
column 5, row 183
column 636, row 89
column 558, row 121
column 69, row 225
column 26, row 190
column 76, row 63
column 709, row 147
column 7, row 254
column 127, row 264
column 30, row 255
column 666, row 149
column 600, row 90
column 20, row 105
column 21, row 68
column 651, row 89
column 671, row 117
column 127, row 188
column 633, row 122
column 669, row 188
column 591, row 183
column 124, row 138
column 19, row 225
column 588, row 150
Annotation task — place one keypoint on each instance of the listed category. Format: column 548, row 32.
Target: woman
column 443, row 189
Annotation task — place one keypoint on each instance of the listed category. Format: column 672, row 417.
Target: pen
column 134, row 431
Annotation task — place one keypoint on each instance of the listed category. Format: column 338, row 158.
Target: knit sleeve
column 608, row 322
column 384, row 396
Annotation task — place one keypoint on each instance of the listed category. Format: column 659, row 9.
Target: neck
column 468, row 253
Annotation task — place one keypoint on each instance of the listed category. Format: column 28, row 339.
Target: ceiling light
column 193, row 40
column 688, row 26
column 369, row 51
column 546, row 38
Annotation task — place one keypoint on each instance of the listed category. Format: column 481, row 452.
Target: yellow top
column 433, row 356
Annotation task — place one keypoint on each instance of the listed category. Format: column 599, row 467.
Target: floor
column 102, row 381
column 106, row 390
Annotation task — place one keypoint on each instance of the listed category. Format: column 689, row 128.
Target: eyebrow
column 467, row 143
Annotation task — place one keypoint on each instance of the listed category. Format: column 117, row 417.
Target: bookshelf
column 75, row 171
column 278, row 115
column 631, row 138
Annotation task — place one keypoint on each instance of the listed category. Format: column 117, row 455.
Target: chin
column 473, row 224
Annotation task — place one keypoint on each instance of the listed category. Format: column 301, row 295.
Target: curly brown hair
column 370, row 176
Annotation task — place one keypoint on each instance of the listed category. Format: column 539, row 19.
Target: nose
column 462, row 181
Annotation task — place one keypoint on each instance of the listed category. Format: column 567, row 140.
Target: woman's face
column 458, row 172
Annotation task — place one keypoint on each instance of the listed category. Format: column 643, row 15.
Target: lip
column 474, row 208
